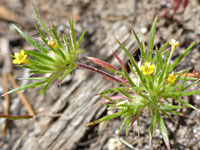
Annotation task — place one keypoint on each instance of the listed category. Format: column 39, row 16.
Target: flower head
column 171, row 78
column 173, row 43
column 52, row 43
column 148, row 68
column 20, row 57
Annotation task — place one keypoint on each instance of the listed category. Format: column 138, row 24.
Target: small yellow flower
column 173, row 43
column 52, row 43
column 20, row 57
column 171, row 78
column 147, row 68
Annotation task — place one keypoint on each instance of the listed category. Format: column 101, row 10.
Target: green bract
column 56, row 55
column 151, row 89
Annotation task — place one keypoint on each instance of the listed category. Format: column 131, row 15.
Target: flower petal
column 22, row 52
column 15, row 61
column 152, row 66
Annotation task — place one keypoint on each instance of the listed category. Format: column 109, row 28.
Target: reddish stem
column 101, row 72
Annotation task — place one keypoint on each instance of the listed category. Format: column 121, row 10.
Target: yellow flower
column 20, row 57
column 147, row 68
column 171, row 78
column 52, row 43
column 173, row 43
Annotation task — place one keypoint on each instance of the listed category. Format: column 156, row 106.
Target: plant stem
column 100, row 72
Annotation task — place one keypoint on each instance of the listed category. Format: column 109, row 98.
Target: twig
column 18, row 142
column 9, row 15
column 126, row 143
column 11, row 117
column 22, row 96
column 7, row 103
column 4, row 46
column 48, row 115
column 134, row 6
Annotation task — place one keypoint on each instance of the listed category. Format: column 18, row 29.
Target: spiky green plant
column 153, row 84
column 55, row 56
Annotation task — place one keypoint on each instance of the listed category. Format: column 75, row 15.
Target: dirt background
column 57, row 125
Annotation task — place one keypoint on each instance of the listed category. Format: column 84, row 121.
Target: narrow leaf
column 174, row 112
column 190, row 85
column 41, row 33
column 184, row 79
column 67, row 46
column 159, row 62
column 178, row 60
column 169, row 107
column 41, row 22
column 44, row 89
column 144, row 56
column 41, row 55
column 165, row 113
column 34, row 70
column 178, row 3
column 102, row 63
column 113, row 90
column 126, row 94
column 80, row 39
column 152, row 127
column 122, row 125
column 163, row 130
column 56, row 36
column 120, row 62
column 151, row 40
column 197, row 92
column 32, row 42
column 129, row 79
column 186, row 104
column 34, row 78
column 73, row 38
column 25, row 87
column 40, row 67
column 139, row 43
column 185, row 5
column 162, row 74
column 108, row 117
column 127, row 125
column 131, row 60
column 118, row 73
column 163, row 47
column 67, row 71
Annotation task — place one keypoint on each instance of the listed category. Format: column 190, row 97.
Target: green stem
column 172, row 52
